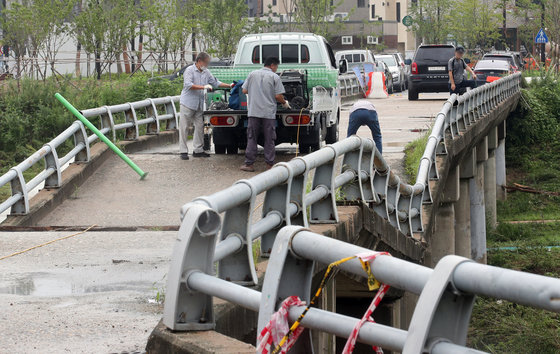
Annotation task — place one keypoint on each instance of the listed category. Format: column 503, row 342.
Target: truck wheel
column 207, row 142
column 412, row 93
column 232, row 149
column 314, row 147
column 219, row 149
column 332, row 134
column 304, row 149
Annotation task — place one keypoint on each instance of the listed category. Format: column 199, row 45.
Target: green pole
column 102, row 137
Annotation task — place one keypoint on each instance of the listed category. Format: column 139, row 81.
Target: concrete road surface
column 97, row 292
column 114, row 196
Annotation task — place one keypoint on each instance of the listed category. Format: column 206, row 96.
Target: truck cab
column 308, row 70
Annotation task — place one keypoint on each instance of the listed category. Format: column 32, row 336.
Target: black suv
column 428, row 69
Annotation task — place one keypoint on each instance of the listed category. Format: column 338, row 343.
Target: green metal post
column 101, row 136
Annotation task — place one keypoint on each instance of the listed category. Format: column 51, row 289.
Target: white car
column 397, row 71
column 355, row 57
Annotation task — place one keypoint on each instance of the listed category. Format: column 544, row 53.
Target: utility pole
column 543, row 54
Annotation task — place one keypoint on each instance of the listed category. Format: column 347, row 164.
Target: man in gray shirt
column 196, row 78
column 264, row 89
column 456, row 67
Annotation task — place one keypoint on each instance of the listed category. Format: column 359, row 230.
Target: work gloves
column 286, row 105
column 208, row 87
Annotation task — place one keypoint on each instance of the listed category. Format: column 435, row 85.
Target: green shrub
column 413, row 152
column 32, row 116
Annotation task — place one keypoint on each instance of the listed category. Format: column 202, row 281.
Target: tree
column 169, row 27
column 529, row 11
column 431, row 20
column 15, row 27
column 51, row 17
column 224, row 23
column 477, row 25
column 89, row 29
column 312, row 15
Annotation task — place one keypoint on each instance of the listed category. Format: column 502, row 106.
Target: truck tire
column 207, row 141
column 219, row 149
column 232, row 149
column 412, row 93
column 332, row 134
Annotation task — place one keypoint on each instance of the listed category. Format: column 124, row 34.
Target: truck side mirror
column 467, row 61
column 408, row 61
column 342, row 66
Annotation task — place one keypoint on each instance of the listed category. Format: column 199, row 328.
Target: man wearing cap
column 456, row 67
column 197, row 78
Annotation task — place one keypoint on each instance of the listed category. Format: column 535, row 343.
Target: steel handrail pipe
column 68, row 133
column 370, row 333
column 239, row 193
column 525, row 288
column 272, row 220
column 39, row 178
column 71, row 154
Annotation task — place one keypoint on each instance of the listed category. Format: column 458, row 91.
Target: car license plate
column 436, row 68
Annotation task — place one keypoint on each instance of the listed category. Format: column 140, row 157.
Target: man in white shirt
column 196, row 78
column 363, row 113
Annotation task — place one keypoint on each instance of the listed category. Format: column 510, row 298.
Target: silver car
column 397, row 71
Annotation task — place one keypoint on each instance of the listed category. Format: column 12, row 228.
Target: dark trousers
column 462, row 85
column 366, row 117
column 254, row 128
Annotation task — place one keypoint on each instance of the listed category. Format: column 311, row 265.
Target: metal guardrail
column 440, row 320
column 51, row 174
column 305, row 191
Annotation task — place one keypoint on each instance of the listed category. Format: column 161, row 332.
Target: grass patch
column 524, row 235
column 413, row 152
column 499, row 326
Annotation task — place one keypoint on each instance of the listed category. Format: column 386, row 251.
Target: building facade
column 373, row 24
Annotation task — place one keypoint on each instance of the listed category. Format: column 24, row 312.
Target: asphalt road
column 97, row 292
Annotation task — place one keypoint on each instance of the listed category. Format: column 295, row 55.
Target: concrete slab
column 92, row 293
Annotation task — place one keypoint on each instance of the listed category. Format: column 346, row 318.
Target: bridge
column 343, row 200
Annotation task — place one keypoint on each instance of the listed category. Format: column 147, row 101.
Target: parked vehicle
column 396, row 70
column 356, row 57
column 428, row 69
column 489, row 70
column 513, row 58
column 400, row 60
column 308, row 69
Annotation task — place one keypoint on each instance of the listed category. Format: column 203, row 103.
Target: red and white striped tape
column 277, row 328
column 351, row 342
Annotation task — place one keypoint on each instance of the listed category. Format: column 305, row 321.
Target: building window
column 274, row 2
column 347, row 40
column 398, row 12
column 361, row 3
column 372, row 40
column 372, row 11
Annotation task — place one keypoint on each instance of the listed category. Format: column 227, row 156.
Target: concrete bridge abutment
column 477, row 204
column 490, row 179
column 500, row 153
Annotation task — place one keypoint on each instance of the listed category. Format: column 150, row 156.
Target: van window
column 304, row 54
column 270, row 50
column 358, row 58
column 331, row 55
column 289, row 53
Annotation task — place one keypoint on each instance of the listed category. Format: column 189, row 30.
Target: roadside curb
column 77, row 173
